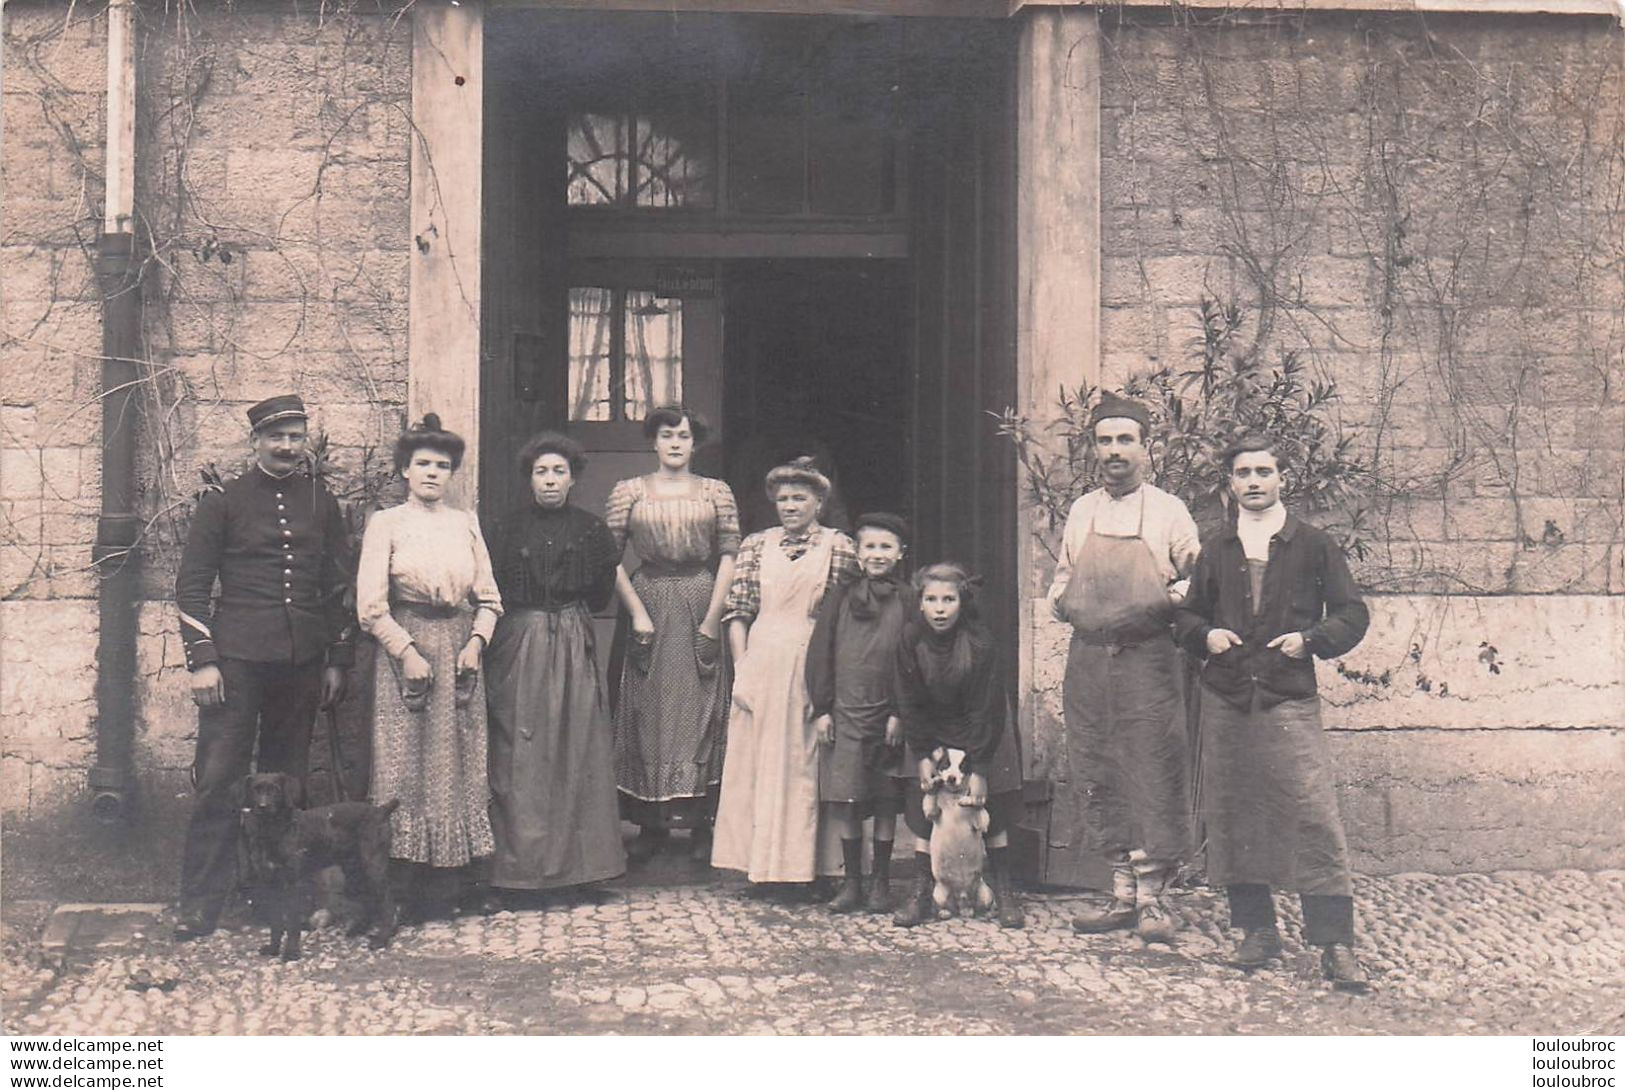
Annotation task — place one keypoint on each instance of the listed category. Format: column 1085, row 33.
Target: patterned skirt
column 433, row 761
column 671, row 712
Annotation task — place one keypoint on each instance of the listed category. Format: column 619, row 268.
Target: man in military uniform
column 277, row 647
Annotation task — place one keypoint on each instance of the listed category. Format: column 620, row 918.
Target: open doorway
column 801, row 226
column 815, row 360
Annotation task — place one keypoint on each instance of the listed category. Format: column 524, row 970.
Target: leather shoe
column 1155, row 924
column 1117, row 916
column 193, row 924
column 648, row 843
column 1259, row 945
column 1339, row 965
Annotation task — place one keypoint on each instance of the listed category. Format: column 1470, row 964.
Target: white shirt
column 1169, row 530
column 1255, row 528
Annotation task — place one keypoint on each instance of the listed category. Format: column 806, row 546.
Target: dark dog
column 286, row 846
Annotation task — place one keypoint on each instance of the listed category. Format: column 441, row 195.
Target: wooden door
column 963, row 474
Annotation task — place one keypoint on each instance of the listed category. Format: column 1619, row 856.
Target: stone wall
column 272, row 158
column 1429, row 212
column 50, row 340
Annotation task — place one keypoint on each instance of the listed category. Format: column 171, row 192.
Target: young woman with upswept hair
column 669, row 677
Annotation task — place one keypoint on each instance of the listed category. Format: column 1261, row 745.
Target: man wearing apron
column 1270, row 593
column 1125, row 552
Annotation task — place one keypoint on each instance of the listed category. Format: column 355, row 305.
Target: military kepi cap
column 280, row 407
column 1113, row 407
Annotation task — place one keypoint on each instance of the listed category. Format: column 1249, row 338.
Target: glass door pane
column 654, row 353
column 592, row 353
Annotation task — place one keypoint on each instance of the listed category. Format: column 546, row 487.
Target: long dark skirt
column 553, row 806
column 1268, row 799
column 671, row 714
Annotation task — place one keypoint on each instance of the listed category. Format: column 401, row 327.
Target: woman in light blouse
column 425, row 591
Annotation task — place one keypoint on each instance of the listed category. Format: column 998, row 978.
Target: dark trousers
column 1326, row 918
column 272, row 702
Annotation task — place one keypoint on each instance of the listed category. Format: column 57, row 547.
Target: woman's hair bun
column 805, row 461
column 430, row 422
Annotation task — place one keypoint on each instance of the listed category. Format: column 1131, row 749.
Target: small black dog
column 286, row 846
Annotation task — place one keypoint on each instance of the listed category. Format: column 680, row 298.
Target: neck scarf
column 870, row 595
column 1255, row 528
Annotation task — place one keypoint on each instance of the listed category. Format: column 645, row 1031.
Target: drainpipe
column 117, row 530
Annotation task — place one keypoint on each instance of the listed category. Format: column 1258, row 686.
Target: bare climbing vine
column 272, row 168
column 1421, row 217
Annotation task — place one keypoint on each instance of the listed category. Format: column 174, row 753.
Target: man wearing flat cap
column 1125, row 557
column 276, row 646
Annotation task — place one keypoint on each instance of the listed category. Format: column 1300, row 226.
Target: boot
column 699, row 844
column 850, row 899
column 194, row 922
column 406, row 890
column 1004, row 893
column 879, row 901
column 650, row 839
column 1117, row 915
column 919, row 908
column 1339, row 965
column 1259, row 946
column 1154, row 923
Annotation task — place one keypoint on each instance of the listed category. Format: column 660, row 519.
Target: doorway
column 802, row 226
column 815, row 360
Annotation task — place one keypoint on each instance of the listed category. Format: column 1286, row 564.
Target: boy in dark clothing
column 851, row 676
column 1270, row 592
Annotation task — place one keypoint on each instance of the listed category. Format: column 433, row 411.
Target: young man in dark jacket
column 1271, row 593
column 277, row 646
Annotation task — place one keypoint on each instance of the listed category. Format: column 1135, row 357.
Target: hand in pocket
column 707, row 653
column 640, row 651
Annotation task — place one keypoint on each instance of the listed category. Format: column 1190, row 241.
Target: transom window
column 784, row 122
column 639, row 161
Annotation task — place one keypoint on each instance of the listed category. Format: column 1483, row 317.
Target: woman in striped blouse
column 669, row 678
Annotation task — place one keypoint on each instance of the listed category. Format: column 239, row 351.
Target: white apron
column 767, row 819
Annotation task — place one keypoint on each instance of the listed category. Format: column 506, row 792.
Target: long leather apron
column 1123, row 699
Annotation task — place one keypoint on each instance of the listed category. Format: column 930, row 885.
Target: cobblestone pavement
column 1503, row 953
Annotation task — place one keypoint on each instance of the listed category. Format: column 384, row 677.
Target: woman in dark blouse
column 553, row 804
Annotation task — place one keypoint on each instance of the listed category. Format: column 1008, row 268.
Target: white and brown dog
column 958, row 854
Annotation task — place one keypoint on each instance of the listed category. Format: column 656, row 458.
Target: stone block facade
column 1429, row 211
column 273, row 152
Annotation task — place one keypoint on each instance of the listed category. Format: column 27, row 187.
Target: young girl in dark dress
column 950, row 692
column 851, row 678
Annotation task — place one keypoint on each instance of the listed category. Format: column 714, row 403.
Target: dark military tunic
column 279, row 547
column 280, row 550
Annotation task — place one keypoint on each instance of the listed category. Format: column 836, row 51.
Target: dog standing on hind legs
column 958, row 850
column 286, row 846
